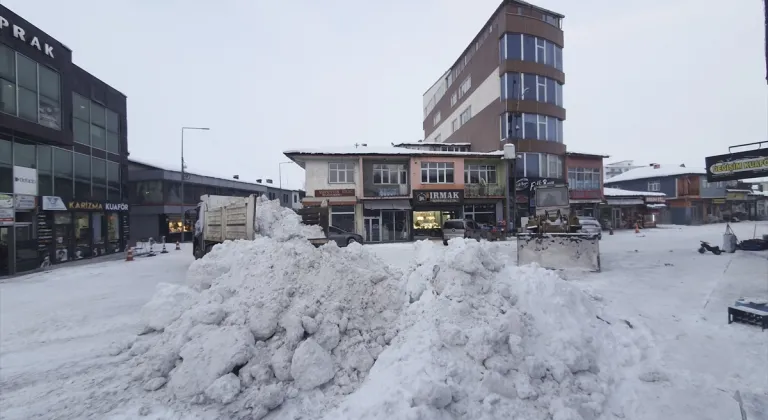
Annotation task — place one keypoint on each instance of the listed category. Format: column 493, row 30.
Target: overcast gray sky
column 663, row 81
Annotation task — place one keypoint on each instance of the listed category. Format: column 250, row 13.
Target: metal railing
column 480, row 190
column 397, row 190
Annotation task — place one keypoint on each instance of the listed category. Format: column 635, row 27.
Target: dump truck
column 552, row 237
column 225, row 218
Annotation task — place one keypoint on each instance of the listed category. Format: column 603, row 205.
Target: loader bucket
column 559, row 251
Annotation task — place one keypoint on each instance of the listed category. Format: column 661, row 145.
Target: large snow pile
column 277, row 328
column 282, row 223
column 482, row 340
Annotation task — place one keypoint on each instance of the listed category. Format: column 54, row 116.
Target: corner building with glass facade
column 63, row 154
column 507, row 87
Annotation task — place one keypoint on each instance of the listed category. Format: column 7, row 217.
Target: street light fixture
column 183, row 175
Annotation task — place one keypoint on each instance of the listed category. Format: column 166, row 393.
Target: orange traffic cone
column 637, row 228
column 178, row 246
column 129, row 254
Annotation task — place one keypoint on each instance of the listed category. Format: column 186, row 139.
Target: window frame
column 481, row 171
column 387, row 172
column 654, row 186
column 441, row 170
column 465, row 115
column 334, row 167
column 436, row 119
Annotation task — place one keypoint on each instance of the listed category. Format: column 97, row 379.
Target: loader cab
column 553, row 211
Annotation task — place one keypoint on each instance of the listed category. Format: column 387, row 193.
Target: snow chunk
column 225, row 389
column 311, row 366
column 167, row 305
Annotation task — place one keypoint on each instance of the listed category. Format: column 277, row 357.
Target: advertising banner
column 739, row 165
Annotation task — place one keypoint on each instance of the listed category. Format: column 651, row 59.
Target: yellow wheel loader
column 552, row 237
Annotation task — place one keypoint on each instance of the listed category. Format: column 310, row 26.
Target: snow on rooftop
column 618, row 192
column 431, row 143
column 647, row 172
column 386, row 150
column 578, row 152
column 167, row 167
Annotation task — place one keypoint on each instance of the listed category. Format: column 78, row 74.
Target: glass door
column 82, row 236
column 97, row 233
column 113, row 233
column 372, row 229
column 5, row 250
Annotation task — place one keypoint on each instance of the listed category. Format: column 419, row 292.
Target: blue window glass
column 552, row 129
column 513, row 49
column 504, row 88
column 532, row 165
column 559, row 58
column 541, row 51
column 513, row 86
column 503, row 126
column 559, row 131
column 551, row 91
column 541, row 88
column 550, row 54
column 529, row 87
column 529, row 48
column 530, row 125
column 520, row 166
column 514, row 125
column 559, row 88
column 542, row 126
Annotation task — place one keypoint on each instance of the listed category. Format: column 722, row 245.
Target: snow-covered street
column 64, row 330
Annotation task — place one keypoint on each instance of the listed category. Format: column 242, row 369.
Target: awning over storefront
column 585, row 201
column 656, row 206
column 624, row 201
column 387, row 205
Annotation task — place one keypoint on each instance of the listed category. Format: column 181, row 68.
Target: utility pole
column 183, row 178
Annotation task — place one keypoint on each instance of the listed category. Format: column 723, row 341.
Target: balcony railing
column 384, row 191
column 481, row 191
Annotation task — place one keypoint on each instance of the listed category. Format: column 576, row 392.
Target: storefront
column 485, row 212
column 525, row 195
column 624, row 212
column 75, row 230
column 387, row 220
column 431, row 208
column 655, row 209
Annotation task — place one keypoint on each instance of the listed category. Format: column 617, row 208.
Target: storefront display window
column 62, row 223
column 82, row 236
column 113, row 233
column 99, row 247
column 481, row 213
column 430, row 223
column 343, row 217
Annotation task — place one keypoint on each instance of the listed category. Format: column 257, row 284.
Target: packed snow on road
column 275, row 328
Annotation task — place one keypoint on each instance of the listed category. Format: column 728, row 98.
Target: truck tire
column 198, row 252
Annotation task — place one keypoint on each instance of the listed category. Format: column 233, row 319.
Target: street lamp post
column 183, row 176
column 509, row 158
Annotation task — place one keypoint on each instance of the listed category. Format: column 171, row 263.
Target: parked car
column 466, row 228
column 342, row 237
column 590, row 225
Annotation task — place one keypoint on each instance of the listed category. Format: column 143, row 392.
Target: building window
column 531, row 127
column 436, row 118
column 295, row 199
column 29, row 90
column 437, row 138
column 465, row 86
column 465, row 115
column 62, row 173
column 455, row 125
column 343, row 217
column 654, row 186
column 531, row 87
column 384, row 174
column 437, row 172
column 580, row 179
column 480, row 174
column 341, row 173
column 530, row 48
column 94, row 125
column 539, row 165
column 454, row 99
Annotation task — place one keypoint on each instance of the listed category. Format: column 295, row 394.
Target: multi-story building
column 618, row 168
column 585, row 182
column 155, row 196
column 397, row 194
column 682, row 186
column 506, row 87
column 63, row 149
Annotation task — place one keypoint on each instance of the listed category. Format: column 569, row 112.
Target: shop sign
column 115, row 207
column 523, row 184
column 85, row 205
column 718, row 201
column 24, row 180
column 22, row 35
column 6, row 217
column 6, row 201
column 735, row 196
column 51, row 202
column 740, row 165
column 344, row 192
column 25, row 202
column 655, row 199
column 438, row 197
column 624, row 202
